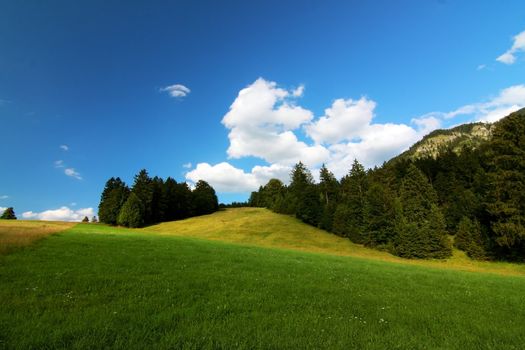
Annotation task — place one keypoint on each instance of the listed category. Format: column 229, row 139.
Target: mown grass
column 15, row 234
column 261, row 227
column 94, row 286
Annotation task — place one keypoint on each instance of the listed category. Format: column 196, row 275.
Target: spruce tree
column 329, row 191
column 505, row 202
column 8, row 214
column 380, row 215
column 143, row 189
column 132, row 212
column 469, row 239
column 204, row 198
column 354, row 187
column 112, row 199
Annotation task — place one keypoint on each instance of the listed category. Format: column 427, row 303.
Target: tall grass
column 15, row 234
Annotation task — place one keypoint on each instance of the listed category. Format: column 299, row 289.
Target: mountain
column 466, row 135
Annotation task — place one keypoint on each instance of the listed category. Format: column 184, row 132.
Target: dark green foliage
column 143, row 189
column 304, row 195
column 505, row 202
column 132, row 212
column 85, row 219
column 469, row 239
column 437, row 244
column 417, row 196
column 380, row 215
column 340, row 221
column 204, row 198
column 112, row 199
column 94, row 219
column 354, row 187
column 329, row 192
column 8, row 214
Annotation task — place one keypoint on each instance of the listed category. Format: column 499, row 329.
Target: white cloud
column 481, row 67
column 507, row 101
column 343, row 121
column 61, row 214
column 64, row 147
column 59, row 163
column 187, row 165
column 2, row 209
column 176, row 90
column 509, row 57
column 264, row 121
column 261, row 120
column 299, row 91
column 225, row 178
column 71, row 172
column 4, row 196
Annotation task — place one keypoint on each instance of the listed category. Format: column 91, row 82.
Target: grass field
column 94, row 286
column 15, row 234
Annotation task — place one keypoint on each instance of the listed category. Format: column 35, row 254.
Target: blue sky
column 264, row 84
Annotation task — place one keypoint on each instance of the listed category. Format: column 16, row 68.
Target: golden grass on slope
column 17, row 233
column 261, row 227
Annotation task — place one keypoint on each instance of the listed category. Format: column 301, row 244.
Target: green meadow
column 249, row 279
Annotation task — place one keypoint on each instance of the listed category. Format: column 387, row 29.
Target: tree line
column 153, row 200
column 410, row 207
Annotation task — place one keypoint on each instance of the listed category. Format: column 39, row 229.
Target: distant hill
column 470, row 135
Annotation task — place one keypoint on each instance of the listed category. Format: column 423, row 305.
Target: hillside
column 96, row 286
column 263, row 228
column 465, row 135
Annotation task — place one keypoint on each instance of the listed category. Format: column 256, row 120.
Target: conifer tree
column 112, row 199
column 469, row 239
column 204, row 198
column 8, row 214
column 380, row 215
column 143, row 189
column 85, row 219
column 132, row 212
column 354, row 187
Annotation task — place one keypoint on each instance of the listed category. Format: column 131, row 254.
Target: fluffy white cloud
column 2, row 209
column 509, row 57
column 261, row 120
column 343, row 121
column 61, row 214
column 264, row 121
column 64, row 147
column 73, row 173
column 176, row 90
column 227, row 179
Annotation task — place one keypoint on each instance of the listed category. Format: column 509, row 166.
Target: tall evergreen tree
column 143, row 189
column 8, row 214
column 329, row 191
column 380, row 215
column 469, row 239
column 204, row 198
column 132, row 212
column 304, row 195
column 354, row 187
column 505, row 201
column 112, row 199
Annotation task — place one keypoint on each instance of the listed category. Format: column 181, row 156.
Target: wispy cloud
column 509, row 57
column 71, row 172
column 481, row 67
column 187, row 165
column 59, row 163
column 5, row 196
column 64, row 147
column 176, row 90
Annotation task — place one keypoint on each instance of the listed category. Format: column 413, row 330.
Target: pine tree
column 354, row 187
column 469, row 239
column 380, row 215
column 8, row 214
column 340, row 221
column 204, row 198
column 143, row 189
column 329, row 191
column 112, row 199
column 132, row 212
column 85, row 219
column 505, row 201
column 436, row 245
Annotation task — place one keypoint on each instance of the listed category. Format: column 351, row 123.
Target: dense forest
column 412, row 206
column 153, row 200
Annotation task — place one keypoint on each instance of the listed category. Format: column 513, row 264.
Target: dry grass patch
column 17, row 233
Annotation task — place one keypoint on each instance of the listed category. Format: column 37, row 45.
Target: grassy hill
column 175, row 285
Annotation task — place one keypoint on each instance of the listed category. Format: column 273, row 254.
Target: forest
column 413, row 207
column 153, row 200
